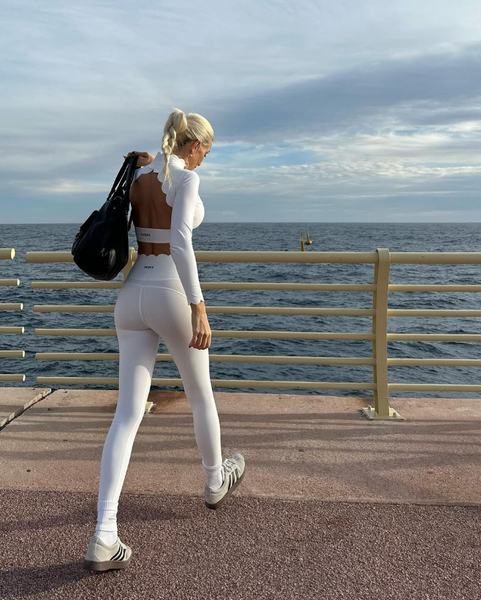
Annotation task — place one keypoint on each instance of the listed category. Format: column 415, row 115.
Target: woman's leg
column 138, row 348
column 173, row 322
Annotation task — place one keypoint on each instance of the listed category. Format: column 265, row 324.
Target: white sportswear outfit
column 153, row 303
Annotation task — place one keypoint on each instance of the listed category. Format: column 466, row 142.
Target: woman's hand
column 144, row 158
column 201, row 332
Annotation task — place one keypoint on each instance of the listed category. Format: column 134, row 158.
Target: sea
column 348, row 237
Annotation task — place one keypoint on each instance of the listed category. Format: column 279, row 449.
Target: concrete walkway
column 332, row 505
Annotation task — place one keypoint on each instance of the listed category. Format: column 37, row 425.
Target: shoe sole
column 226, row 495
column 105, row 565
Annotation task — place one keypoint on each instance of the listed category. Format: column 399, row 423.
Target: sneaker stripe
column 117, row 554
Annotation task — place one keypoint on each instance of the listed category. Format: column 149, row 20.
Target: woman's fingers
column 200, row 341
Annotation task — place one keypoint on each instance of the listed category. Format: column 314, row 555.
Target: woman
column 162, row 298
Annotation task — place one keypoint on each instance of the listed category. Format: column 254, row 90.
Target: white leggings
column 152, row 304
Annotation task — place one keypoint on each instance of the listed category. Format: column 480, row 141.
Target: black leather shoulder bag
column 101, row 246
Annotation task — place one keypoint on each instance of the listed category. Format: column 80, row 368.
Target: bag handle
column 130, row 161
column 123, row 181
column 128, row 182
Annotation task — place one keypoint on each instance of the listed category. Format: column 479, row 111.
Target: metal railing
column 382, row 259
column 9, row 254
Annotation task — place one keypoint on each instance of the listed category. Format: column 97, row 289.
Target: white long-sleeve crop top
column 187, row 213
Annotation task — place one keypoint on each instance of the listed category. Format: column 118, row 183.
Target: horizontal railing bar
column 254, row 358
column 12, row 353
column 246, row 358
column 61, row 285
column 433, row 288
column 34, row 256
column 236, row 256
column 297, row 257
column 413, row 312
column 306, row 335
column 436, row 258
column 287, row 256
column 75, row 332
column 433, row 387
column 316, row 287
column 215, row 285
column 11, row 305
column 251, row 310
column 73, row 308
column 223, row 333
column 434, row 337
column 226, row 285
column 297, row 385
column 9, row 282
column 12, row 329
column 12, row 377
column 275, row 310
column 435, row 362
column 7, row 253
column 227, row 333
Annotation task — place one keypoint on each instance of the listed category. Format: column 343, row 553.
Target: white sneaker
column 101, row 557
column 234, row 467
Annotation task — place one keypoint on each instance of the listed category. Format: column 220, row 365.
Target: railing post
column 381, row 408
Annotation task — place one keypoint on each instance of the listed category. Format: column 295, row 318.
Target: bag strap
column 129, row 178
column 123, row 181
column 120, row 176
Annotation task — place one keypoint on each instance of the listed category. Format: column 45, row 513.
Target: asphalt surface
column 331, row 506
column 250, row 549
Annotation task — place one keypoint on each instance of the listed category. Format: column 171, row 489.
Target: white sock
column 214, row 475
column 107, row 522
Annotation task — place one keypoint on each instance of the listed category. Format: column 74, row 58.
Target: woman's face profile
column 200, row 154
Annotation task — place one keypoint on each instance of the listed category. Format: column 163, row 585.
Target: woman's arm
column 181, row 248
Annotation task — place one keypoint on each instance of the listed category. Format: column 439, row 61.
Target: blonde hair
column 180, row 129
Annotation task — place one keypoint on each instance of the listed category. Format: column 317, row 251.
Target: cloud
column 316, row 106
column 360, row 100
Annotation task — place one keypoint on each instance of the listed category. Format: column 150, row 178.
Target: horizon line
column 288, row 222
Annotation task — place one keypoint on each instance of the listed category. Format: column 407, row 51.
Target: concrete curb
column 23, row 407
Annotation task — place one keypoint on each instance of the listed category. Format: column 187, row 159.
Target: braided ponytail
column 180, row 129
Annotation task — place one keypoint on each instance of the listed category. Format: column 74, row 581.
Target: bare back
column 150, row 209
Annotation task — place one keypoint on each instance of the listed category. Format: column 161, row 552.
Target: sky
column 322, row 111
